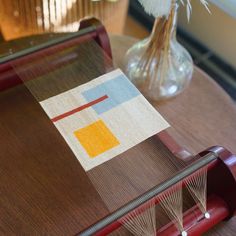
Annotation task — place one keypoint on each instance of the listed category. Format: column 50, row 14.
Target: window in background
column 229, row 6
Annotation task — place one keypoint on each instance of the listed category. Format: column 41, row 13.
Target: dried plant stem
column 158, row 49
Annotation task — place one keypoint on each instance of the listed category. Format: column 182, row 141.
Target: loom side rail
column 216, row 159
column 90, row 29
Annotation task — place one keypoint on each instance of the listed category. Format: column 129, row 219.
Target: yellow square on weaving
column 96, row 138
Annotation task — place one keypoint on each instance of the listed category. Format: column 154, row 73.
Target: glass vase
column 159, row 66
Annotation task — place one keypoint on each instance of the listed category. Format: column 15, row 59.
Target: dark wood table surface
column 201, row 117
column 43, row 188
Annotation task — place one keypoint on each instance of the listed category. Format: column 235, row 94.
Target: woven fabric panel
column 103, row 118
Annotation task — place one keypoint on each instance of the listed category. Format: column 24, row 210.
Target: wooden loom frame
column 221, row 205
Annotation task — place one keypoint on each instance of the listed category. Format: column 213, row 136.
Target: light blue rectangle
column 118, row 90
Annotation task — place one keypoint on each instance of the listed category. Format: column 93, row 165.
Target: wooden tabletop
column 201, row 117
column 43, row 188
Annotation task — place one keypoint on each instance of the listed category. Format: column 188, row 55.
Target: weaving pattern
column 103, row 118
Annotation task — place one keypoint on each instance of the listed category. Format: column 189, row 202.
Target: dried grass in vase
column 159, row 65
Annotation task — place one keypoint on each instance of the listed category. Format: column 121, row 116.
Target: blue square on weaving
column 118, row 90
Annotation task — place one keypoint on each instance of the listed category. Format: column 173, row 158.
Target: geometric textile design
column 118, row 90
column 103, row 118
column 96, row 138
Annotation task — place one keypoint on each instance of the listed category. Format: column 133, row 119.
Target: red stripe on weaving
column 69, row 113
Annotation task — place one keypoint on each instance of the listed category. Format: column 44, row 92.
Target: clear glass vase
column 159, row 66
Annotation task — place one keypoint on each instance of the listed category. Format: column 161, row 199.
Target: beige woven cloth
column 103, row 118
